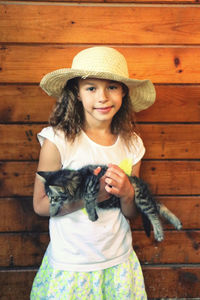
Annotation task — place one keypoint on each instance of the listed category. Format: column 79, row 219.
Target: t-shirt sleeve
column 55, row 137
column 138, row 149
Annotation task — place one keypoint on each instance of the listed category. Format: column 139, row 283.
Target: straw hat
column 103, row 63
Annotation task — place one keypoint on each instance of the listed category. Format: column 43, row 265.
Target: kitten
column 67, row 186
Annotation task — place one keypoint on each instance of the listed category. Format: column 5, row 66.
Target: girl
column 92, row 123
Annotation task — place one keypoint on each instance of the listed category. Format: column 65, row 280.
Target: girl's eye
column 91, row 88
column 112, row 87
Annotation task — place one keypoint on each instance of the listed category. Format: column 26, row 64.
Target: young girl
column 92, row 123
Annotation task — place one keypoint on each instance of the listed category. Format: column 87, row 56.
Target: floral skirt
column 124, row 281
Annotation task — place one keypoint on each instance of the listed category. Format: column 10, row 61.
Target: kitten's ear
column 43, row 175
column 56, row 190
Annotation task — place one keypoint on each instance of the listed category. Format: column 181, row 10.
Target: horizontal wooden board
column 29, row 104
column 172, row 282
column 27, row 249
column 28, row 64
column 172, row 177
column 164, row 177
column 19, row 142
column 177, row 247
column 21, row 217
column 136, row 25
column 22, row 103
column 171, row 141
column 174, row 103
column 161, row 282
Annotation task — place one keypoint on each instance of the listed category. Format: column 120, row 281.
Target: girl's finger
column 97, row 170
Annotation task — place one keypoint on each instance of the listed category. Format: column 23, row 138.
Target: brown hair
column 68, row 114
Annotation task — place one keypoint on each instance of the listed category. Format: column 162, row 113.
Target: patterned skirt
column 124, row 281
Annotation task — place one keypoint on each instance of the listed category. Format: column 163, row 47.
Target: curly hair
column 68, row 114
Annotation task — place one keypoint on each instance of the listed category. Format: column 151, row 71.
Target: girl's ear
column 78, row 97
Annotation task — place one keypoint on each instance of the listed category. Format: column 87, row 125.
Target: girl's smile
column 104, row 110
column 101, row 99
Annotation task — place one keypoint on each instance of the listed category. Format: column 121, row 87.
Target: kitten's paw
column 93, row 217
column 159, row 238
column 159, row 234
column 177, row 224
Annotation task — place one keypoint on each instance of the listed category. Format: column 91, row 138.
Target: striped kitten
column 66, row 186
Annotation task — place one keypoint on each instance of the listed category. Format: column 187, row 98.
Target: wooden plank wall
column 161, row 40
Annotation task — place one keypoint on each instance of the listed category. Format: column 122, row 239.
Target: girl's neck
column 101, row 136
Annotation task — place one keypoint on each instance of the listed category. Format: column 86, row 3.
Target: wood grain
column 20, row 250
column 161, row 41
column 28, row 64
column 171, row 141
column 172, row 177
column 172, row 282
column 174, row 103
column 29, row 104
column 19, row 142
column 161, row 282
column 164, row 177
column 27, row 249
column 20, row 216
column 152, row 25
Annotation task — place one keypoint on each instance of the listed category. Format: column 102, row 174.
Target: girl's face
column 101, row 99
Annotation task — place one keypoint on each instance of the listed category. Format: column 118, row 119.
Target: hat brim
column 142, row 92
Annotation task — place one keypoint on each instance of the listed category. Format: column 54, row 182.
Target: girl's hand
column 117, row 183
column 103, row 194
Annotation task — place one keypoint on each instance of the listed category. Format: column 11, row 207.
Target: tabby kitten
column 66, row 186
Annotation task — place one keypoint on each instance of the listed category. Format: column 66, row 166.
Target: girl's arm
column 117, row 183
column 50, row 160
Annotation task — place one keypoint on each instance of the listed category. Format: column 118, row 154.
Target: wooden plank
column 22, row 103
column 27, row 249
column 138, row 24
column 28, row 104
column 164, row 177
column 172, row 177
column 172, row 282
column 174, row 103
column 16, row 284
column 171, row 141
column 28, row 64
column 21, row 217
column 17, row 179
column 19, row 142
column 185, row 244
column 161, row 282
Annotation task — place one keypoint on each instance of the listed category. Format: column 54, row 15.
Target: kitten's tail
column 168, row 215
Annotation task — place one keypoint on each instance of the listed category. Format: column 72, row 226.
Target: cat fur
column 66, row 186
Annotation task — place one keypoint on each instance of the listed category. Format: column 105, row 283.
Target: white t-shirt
column 76, row 243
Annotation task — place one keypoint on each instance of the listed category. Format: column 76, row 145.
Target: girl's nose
column 102, row 95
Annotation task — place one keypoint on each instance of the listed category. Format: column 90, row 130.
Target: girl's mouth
column 104, row 110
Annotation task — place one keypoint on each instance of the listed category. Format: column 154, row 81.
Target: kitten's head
column 63, row 182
